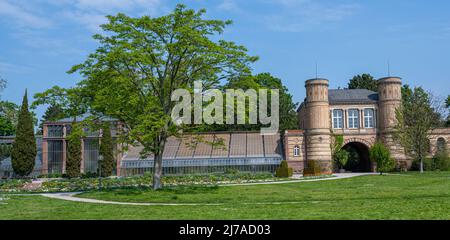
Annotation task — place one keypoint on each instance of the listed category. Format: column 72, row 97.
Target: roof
column 337, row 96
column 82, row 118
column 232, row 145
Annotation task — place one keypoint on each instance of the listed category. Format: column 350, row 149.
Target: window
column 296, row 151
column 338, row 119
column 353, row 118
column 369, row 118
column 55, row 156
column 441, row 145
column 91, row 152
column 55, row 131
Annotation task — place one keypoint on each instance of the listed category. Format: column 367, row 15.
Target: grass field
column 406, row 196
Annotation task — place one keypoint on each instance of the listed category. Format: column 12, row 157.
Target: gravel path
column 71, row 196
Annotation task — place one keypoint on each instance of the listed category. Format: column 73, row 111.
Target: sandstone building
column 361, row 116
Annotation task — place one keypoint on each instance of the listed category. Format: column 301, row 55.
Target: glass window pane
column 337, row 118
column 369, row 118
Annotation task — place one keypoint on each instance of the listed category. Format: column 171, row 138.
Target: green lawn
column 409, row 196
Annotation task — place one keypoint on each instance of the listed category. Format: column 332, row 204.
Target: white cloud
column 299, row 15
column 6, row 67
column 22, row 16
column 229, row 5
column 111, row 6
column 90, row 20
column 91, row 13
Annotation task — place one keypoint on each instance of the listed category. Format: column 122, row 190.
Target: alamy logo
column 208, row 107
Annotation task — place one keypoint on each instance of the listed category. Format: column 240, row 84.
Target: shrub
column 313, row 168
column 336, row 152
column 231, row 171
column 440, row 161
column 284, row 171
column 89, row 175
column 380, row 154
column 444, row 161
column 341, row 158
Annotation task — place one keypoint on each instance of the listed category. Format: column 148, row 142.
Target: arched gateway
column 358, row 157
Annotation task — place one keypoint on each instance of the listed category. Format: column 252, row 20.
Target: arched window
column 296, row 151
column 441, row 144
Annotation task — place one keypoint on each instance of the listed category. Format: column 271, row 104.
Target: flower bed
column 85, row 184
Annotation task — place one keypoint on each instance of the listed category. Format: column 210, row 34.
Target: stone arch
column 359, row 151
column 368, row 143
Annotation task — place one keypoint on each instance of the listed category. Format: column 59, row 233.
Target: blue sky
column 41, row 39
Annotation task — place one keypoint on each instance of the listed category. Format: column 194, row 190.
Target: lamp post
column 100, row 159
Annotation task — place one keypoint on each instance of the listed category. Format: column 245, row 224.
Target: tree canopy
column 8, row 114
column 287, row 108
column 141, row 61
column 364, row 81
column 415, row 120
column 64, row 102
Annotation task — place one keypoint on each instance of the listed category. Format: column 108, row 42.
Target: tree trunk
column 157, row 171
column 157, row 166
column 421, row 165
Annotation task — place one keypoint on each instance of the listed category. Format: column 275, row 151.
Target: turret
column 318, row 123
column 390, row 98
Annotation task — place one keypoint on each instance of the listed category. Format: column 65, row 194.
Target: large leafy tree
column 107, row 151
column 287, row 108
column 23, row 153
column 141, row 61
column 363, row 81
column 63, row 102
column 5, row 151
column 8, row 114
column 415, row 120
column 6, row 127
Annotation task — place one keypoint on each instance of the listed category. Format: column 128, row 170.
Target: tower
column 317, row 126
column 389, row 99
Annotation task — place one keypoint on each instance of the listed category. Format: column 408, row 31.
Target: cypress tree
column 23, row 153
column 107, row 151
column 73, row 163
